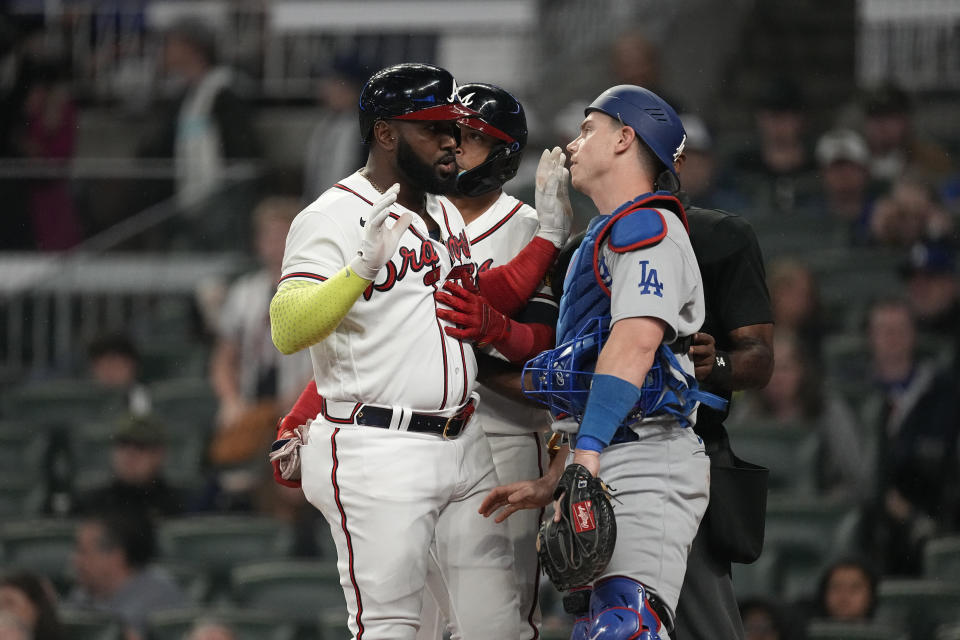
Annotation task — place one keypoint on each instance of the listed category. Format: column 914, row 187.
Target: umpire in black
column 732, row 351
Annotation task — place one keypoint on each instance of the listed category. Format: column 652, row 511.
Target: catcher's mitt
column 576, row 549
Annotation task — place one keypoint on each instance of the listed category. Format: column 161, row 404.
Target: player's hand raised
column 379, row 241
column 552, row 198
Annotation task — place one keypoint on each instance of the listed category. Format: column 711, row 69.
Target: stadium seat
column 248, row 625
column 789, row 451
column 217, row 543
column 192, row 580
column 948, row 631
column 806, row 533
column 41, row 545
column 299, row 589
column 760, row 578
column 23, row 448
column 833, row 630
column 941, row 559
column 81, row 624
column 920, row 606
column 184, row 404
column 20, row 495
column 59, row 402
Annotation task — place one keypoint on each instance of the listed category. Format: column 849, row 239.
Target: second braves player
column 498, row 227
column 631, row 300
column 396, row 460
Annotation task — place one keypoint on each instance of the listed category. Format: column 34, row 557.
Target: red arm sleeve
column 508, row 287
column 523, row 341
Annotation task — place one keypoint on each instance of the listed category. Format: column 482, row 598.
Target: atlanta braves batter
column 396, row 460
column 632, row 298
column 498, row 227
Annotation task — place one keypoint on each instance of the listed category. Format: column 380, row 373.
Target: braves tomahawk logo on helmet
column 499, row 115
column 409, row 91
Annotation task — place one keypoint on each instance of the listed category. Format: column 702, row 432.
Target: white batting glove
column 552, row 199
column 379, row 241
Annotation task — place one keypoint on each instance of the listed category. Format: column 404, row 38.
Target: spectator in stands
column 847, row 591
column 795, row 297
column 209, row 123
column 894, row 148
column 208, row 629
column 775, row 172
column 913, row 416
column 910, row 212
column 49, row 137
column 137, row 465
column 113, row 361
column 796, row 396
column 930, row 271
column 844, row 162
column 699, row 180
column 12, row 628
column 334, row 149
column 252, row 380
column 33, row 600
column 113, row 573
column 762, row 620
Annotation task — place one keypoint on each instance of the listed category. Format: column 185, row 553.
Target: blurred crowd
column 857, row 215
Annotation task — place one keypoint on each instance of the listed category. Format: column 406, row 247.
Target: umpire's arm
column 747, row 365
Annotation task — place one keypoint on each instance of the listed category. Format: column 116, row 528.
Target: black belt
column 449, row 428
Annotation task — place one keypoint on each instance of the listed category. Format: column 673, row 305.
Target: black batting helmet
column 409, row 91
column 500, row 115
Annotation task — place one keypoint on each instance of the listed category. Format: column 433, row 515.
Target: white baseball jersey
column 496, row 237
column 399, row 501
column 389, row 350
column 513, row 428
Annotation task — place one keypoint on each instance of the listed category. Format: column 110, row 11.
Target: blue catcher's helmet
column 654, row 121
column 561, row 378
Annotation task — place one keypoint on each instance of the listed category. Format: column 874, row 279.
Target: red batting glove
column 475, row 319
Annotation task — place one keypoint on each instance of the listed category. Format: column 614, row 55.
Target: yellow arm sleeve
column 304, row 313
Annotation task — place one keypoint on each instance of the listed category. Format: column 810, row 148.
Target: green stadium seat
column 20, row 495
column 217, row 543
column 41, row 545
column 760, row 578
column 247, row 624
column 788, row 451
column 23, row 448
column 299, row 589
column 920, row 606
column 58, row 402
column 81, row 624
column 806, row 533
column 941, row 558
column 834, row 630
column 184, row 404
column 948, row 631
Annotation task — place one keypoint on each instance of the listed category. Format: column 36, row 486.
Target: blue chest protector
column 561, row 377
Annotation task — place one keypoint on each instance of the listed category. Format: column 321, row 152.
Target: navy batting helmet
column 409, row 91
column 501, row 116
column 654, row 121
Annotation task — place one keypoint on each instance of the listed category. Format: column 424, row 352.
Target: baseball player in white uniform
column 633, row 296
column 498, row 227
column 395, row 459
